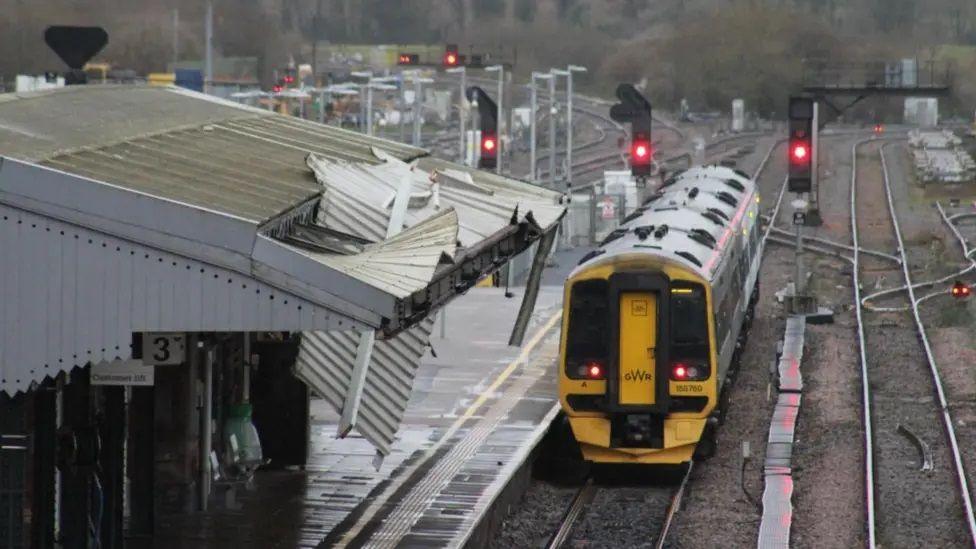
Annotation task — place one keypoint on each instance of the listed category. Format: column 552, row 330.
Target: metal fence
column 589, row 218
column 592, row 215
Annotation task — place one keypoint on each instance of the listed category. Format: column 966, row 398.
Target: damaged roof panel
column 358, row 197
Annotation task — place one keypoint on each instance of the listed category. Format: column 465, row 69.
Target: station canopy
column 126, row 210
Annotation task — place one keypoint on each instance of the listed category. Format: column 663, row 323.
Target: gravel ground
column 622, row 517
column 536, row 518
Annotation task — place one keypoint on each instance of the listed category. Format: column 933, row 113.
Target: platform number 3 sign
column 163, row 349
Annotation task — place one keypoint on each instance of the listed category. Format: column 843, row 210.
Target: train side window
column 589, row 313
column 689, row 321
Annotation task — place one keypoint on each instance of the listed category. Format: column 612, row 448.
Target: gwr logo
column 638, row 375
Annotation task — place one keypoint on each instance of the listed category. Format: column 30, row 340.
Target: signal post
column 635, row 109
column 802, row 180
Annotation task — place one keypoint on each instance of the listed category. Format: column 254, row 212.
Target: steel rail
column 673, row 507
column 967, row 254
column 917, row 285
column 810, row 247
column 862, row 351
column 582, row 499
column 828, row 242
column 933, row 366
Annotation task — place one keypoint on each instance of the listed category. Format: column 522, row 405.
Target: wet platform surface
column 476, row 410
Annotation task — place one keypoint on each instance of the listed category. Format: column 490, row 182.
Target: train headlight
column 689, row 371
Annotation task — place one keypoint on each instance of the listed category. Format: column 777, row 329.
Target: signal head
column 800, row 152
column 488, row 143
column 960, row 290
column 641, row 155
column 489, row 151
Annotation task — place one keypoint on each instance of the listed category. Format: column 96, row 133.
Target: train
column 654, row 320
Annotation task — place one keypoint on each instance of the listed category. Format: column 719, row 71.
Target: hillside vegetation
column 707, row 51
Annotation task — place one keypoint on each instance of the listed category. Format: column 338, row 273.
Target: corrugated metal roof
column 325, row 362
column 405, row 263
column 71, row 295
column 179, row 145
column 358, row 196
column 213, row 203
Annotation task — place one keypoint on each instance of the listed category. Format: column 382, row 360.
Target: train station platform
column 477, row 409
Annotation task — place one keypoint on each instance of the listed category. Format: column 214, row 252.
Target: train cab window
column 587, row 339
column 689, row 321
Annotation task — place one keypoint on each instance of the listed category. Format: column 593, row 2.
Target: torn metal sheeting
column 326, row 361
column 358, row 198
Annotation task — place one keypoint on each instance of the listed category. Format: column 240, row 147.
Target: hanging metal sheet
column 326, row 360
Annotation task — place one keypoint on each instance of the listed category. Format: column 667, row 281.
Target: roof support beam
column 532, row 286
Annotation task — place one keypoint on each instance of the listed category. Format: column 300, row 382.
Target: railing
column 903, row 74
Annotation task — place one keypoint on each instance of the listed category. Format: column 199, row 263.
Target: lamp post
column 569, row 122
column 375, row 84
column 553, row 111
column 362, row 93
column 532, row 122
column 500, row 69
column 461, row 110
column 418, row 81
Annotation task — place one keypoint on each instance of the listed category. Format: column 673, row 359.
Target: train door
column 638, row 342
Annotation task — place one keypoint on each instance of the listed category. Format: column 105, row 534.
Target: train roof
column 688, row 220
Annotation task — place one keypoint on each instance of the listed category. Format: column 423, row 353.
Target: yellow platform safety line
column 392, row 487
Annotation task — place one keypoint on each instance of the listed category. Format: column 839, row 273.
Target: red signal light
column 800, row 152
column 960, row 290
column 488, row 144
column 640, row 152
column 594, row 370
column 450, row 59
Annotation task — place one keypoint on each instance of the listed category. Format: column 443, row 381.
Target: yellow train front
column 653, row 320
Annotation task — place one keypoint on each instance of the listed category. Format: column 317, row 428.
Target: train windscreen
column 588, row 326
column 689, row 321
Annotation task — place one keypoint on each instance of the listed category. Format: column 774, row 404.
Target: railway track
column 588, row 493
column 888, row 395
